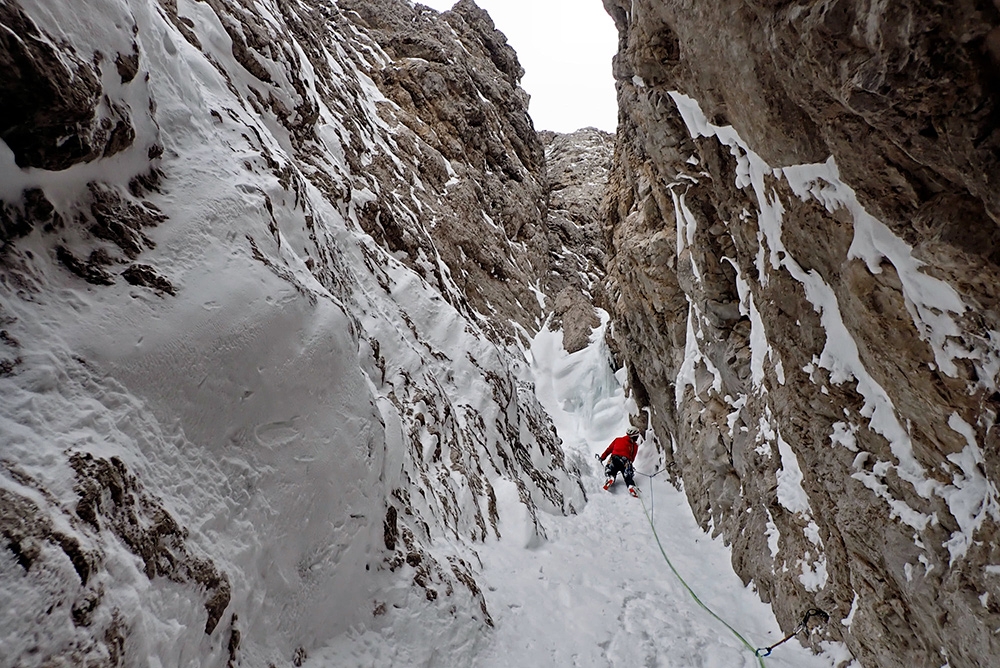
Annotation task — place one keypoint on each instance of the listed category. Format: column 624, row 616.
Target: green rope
column 760, row 659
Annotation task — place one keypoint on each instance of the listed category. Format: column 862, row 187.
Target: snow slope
column 595, row 590
column 598, row 592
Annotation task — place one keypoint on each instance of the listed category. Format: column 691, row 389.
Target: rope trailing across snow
column 758, row 652
column 760, row 659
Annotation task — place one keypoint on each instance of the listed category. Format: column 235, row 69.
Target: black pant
column 619, row 464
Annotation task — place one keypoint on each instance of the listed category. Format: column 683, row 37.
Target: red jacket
column 624, row 446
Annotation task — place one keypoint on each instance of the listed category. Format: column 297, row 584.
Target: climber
column 622, row 450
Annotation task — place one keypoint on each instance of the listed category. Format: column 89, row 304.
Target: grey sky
column 565, row 47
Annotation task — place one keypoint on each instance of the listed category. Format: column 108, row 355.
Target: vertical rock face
column 456, row 103
column 802, row 245
column 265, row 268
column 577, row 168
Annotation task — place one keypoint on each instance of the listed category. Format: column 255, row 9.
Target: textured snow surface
column 595, row 591
column 298, row 379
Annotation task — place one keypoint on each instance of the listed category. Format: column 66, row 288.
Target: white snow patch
column 813, row 573
column 791, row 495
column 687, row 375
column 849, row 619
column 759, row 347
column 773, row 534
column 972, row 498
column 737, row 405
column 843, row 434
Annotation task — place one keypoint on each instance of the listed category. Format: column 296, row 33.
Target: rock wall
column 577, row 166
column 264, row 273
column 456, row 104
column 802, row 233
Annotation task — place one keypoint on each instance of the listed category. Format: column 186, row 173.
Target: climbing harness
column 813, row 612
column 758, row 652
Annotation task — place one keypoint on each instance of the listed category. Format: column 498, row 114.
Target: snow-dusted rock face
column 804, row 238
column 577, row 166
column 266, row 268
column 458, row 110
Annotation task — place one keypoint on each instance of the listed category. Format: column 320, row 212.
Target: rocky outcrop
column 817, row 338
column 458, row 107
column 57, row 112
column 43, row 537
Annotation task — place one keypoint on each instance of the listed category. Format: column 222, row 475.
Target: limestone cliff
column 455, row 104
column 577, row 166
column 803, row 234
column 265, row 269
